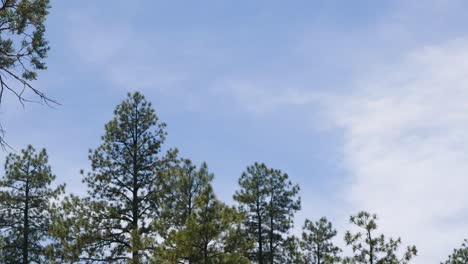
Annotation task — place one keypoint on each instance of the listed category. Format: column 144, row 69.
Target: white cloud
column 405, row 130
column 406, row 134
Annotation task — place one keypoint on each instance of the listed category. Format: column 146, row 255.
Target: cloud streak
column 406, row 146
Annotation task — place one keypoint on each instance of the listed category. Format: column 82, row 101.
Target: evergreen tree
column 370, row 248
column 291, row 251
column 317, row 242
column 182, row 183
column 26, row 197
column 73, row 230
column 270, row 200
column 460, row 255
column 210, row 235
column 123, row 185
column 198, row 227
column 23, row 48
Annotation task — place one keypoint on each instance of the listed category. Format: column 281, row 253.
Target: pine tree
column 459, row 256
column 26, row 197
column 370, row 248
column 291, row 251
column 182, row 183
column 23, row 49
column 73, row 230
column 317, row 242
column 191, row 209
column 123, row 184
column 270, row 200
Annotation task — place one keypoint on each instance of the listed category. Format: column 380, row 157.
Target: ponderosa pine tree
column 23, row 48
column 317, row 242
column 74, row 231
column 123, row 184
column 26, row 196
column 269, row 200
column 182, row 183
column 370, row 248
column 459, row 255
column 211, row 235
column 291, row 251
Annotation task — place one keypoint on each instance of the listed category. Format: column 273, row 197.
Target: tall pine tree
column 26, row 196
column 123, row 184
column 270, row 200
column 291, row 251
column 317, row 242
column 182, row 183
column 211, row 235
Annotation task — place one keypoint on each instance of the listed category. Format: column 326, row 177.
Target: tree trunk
column 371, row 248
column 260, row 240
column 135, row 202
column 135, row 255
column 272, row 253
column 319, row 257
column 26, row 224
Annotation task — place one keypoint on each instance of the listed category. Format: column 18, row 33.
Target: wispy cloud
column 405, row 128
column 406, row 142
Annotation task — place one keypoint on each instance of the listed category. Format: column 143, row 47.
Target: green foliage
column 26, row 198
column 371, row 248
column 211, row 235
column 460, row 255
column 197, row 227
column 23, row 47
column 317, row 242
column 291, row 251
column 270, row 200
column 123, row 187
column 181, row 184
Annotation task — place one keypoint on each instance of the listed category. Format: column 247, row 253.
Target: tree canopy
column 23, row 49
column 26, row 197
column 371, row 248
column 269, row 200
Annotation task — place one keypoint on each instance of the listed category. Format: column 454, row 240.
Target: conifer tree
column 74, row 231
column 317, row 242
column 182, row 183
column 211, row 235
column 291, row 251
column 370, row 248
column 459, row 256
column 186, row 190
column 23, row 49
column 270, row 200
column 26, row 196
column 123, row 184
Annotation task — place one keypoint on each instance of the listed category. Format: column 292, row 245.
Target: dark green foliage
column 270, row 200
column 123, row 187
column 73, row 229
column 23, row 47
column 211, row 235
column 459, row 255
column 317, row 242
column 26, row 198
column 197, row 228
column 182, row 183
column 291, row 251
column 371, row 248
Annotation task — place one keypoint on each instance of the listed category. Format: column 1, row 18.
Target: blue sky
column 363, row 103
